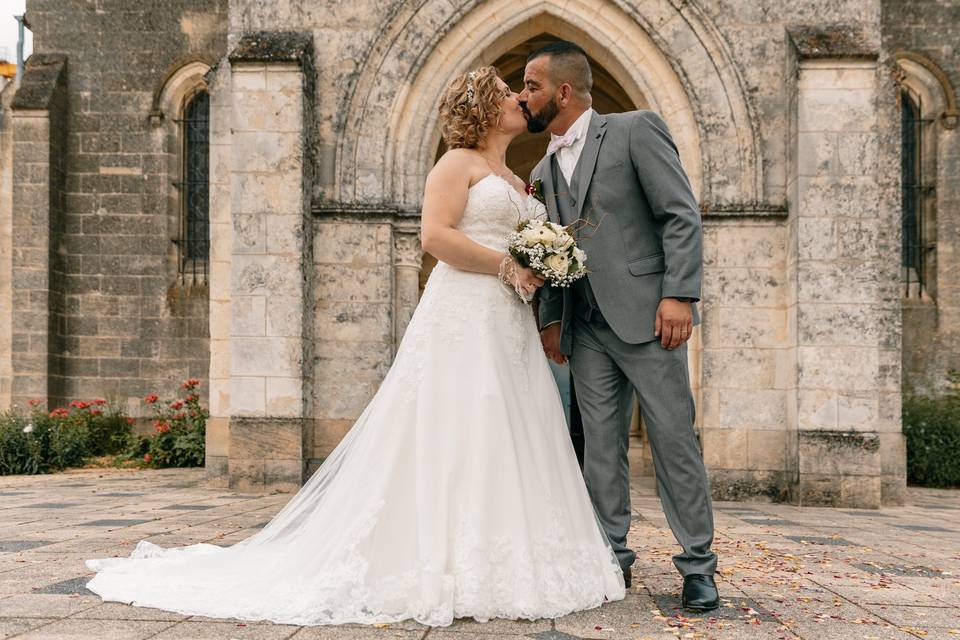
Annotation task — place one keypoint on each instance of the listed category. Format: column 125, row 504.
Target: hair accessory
column 470, row 77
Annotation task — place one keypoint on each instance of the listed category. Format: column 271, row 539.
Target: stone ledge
column 273, row 46
column 42, row 74
column 833, row 41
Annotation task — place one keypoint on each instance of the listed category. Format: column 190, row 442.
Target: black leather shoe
column 699, row 592
column 627, row 577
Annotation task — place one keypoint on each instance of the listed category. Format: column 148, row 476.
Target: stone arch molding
column 925, row 78
column 681, row 68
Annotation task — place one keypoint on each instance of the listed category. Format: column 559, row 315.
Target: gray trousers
column 605, row 372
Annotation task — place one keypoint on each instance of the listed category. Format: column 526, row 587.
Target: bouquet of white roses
column 549, row 250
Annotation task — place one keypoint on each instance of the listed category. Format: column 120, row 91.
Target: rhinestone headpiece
column 470, row 77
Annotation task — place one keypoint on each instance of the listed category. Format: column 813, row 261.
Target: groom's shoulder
column 638, row 118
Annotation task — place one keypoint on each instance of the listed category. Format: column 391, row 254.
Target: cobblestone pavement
column 784, row 572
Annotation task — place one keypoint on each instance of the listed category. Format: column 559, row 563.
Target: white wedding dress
column 455, row 494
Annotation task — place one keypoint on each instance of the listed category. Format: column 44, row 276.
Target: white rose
column 545, row 235
column 579, row 255
column 558, row 262
column 530, row 236
column 563, row 240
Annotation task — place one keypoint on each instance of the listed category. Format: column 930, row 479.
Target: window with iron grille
column 916, row 195
column 194, row 240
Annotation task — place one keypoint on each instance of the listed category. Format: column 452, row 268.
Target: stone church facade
column 231, row 191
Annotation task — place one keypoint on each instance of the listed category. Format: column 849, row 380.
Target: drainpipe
column 21, row 21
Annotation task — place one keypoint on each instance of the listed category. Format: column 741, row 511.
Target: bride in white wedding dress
column 457, row 492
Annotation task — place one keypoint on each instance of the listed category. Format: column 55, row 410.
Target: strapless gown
column 456, row 493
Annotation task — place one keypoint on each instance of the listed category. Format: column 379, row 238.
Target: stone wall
column 125, row 327
column 931, row 324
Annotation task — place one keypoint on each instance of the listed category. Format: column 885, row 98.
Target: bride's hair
column 469, row 106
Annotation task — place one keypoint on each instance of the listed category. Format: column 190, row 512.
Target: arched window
column 194, row 244
column 914, row 194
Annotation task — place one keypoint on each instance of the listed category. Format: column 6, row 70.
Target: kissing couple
column 457, row 492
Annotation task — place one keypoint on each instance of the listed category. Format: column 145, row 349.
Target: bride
column 457, row 492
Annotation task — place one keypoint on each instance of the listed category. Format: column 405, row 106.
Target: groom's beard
column 537, row 122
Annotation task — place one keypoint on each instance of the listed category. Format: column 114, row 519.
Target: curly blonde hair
column 470, row 105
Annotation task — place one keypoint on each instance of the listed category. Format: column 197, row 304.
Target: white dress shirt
column 567, row 157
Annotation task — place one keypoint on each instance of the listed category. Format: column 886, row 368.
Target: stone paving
column 784, row 572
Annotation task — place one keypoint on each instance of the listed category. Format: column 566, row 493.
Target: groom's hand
column 550, row 339
column 674, row 322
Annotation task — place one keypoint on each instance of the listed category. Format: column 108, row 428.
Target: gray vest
column 584, row 301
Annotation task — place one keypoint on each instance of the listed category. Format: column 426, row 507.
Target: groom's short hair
column 568, row 63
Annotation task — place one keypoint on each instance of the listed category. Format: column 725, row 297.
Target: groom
column 624, row 327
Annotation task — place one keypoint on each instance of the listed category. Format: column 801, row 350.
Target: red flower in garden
column 179, row 415
column 190, row 383
column 150, row 399
column 130, row 420
column 99, row 401
column 79, row 404
column 33, row 402
column 95, row 412
column 176, row 404
column 59, row 412
column 191, row 397
column 147, row 457
column 162, row 426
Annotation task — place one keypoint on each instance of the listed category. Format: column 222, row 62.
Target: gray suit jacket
column 644, row 241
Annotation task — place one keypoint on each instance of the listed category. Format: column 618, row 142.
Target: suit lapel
column 588, row 158
column 549, row 190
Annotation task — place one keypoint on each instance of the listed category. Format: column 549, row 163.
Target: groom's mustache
column 526, row 111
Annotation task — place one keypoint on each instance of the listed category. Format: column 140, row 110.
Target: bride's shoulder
column 457, row 166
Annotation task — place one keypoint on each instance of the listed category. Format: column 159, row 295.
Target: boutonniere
column 535, row 189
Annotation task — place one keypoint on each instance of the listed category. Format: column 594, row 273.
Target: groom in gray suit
column 624, row 327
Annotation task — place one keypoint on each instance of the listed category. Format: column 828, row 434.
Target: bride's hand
column 527, row 280
column 522, row 279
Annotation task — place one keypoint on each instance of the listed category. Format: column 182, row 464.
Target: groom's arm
column 672, row 204
column 551, row 305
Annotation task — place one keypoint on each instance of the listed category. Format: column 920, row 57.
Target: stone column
column 407, row 261
column 843, row 328
column 270, row 427
column 39, row 142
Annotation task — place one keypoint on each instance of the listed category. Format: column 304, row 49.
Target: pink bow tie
column 559, row 142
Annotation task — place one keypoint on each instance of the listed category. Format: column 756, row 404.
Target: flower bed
column 98, row 433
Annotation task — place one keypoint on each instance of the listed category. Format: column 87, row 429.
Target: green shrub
column 21, row 450
column 931, row 426
column 42, row 442
column 180, row 432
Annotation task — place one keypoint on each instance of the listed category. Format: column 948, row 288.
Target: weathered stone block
column 284, row 397
column 246, row 475
column 248, row 316
column 763, row 409
column 266, row 438
column 247, row 396
column 838, row 454
column 358, row 244
column 748, row 485
column 766, row 450
column 725, row 448
column 285, row 476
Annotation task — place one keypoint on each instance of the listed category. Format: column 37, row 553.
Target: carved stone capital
column 406, row 249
